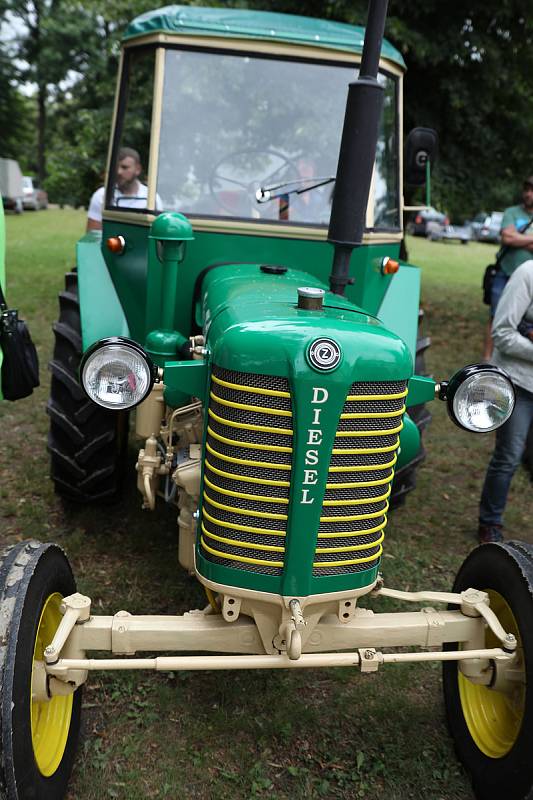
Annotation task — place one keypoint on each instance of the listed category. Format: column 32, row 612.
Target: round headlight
column 116, row 373
column 480, row 398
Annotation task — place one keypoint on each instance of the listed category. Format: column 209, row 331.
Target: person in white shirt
column 129, row 192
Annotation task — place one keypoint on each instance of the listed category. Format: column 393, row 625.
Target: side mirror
column 421, row 147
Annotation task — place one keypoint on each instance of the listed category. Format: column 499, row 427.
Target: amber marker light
column 389, row 266
column 116, row 244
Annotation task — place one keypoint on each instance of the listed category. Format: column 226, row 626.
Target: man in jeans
column 512, row 333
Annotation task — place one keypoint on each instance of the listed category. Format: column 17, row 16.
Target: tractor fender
column 101, row 311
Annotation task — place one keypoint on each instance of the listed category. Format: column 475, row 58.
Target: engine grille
column 354, row 510
column 247, row 475
column 247, row 471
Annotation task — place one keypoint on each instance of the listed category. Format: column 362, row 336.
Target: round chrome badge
column 324, row 354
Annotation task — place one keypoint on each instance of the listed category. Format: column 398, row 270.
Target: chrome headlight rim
column 121, row 341
column 459, row 378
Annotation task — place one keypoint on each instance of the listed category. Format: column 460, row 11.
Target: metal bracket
column 76, row 609
column 370, row 659
column 231, row 608
column 347, row 609
column 119, row 634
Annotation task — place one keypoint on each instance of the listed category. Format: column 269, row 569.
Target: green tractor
column 261, row 327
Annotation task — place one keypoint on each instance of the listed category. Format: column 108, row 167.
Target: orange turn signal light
column 116, row 244
column 389, row 266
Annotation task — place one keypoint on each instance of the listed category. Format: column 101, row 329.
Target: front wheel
column 38, row 738
column 492, row 728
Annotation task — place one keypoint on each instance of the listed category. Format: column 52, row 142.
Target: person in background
column 129, row 192
column 512, row 333
column 517, row 246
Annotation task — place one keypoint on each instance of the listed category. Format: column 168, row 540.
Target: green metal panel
column 421, row 390
column 399, row 308
column 253, row 325
column 185, row 379
column 100, row 307
column 140, row 290
column 247, row 24
column 2, row 270
column 409, row 442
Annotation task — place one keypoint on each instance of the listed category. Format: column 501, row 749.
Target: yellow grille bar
column 244, row 559
column 249, row 426
column 359, row 502
column 327, row 564
column 259, row 497
column 244, row 462
column 238, row 527
column 341, row 434
column 245, row 407
column 355, row 516
column 247, row 478
column 359, row 469
column 365, row 532
column 358, row 451
column 364, row 469
column 350, row 548
column 249, row 445
column 397, row 396
column 374, row 415
column 245, row 511
column 249, row 545
column 241, row 388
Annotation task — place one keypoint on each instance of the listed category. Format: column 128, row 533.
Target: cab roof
column 247, row 24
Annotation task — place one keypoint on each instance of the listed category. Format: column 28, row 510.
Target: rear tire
column 492, row 729
column 38, row 739
column 87, row 443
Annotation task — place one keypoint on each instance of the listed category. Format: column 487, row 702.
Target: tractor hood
column 252, row 323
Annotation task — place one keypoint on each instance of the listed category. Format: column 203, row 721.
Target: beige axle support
column 302, row 641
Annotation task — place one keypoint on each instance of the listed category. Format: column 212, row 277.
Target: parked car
column 34, row 197
column 477, row 223
column 491, row 229
column 460, row 233
column 11, row 185
column 426, row 220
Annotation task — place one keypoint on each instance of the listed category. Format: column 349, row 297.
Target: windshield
column 258, row 138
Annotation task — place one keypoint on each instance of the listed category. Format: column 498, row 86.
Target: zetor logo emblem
column 324, row 354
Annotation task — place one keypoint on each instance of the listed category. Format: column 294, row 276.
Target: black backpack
column 20, row 367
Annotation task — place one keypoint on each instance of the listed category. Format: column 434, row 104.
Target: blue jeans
column 510, row 443
column 498, row 285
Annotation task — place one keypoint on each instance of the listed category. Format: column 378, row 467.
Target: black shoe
column 490, row 533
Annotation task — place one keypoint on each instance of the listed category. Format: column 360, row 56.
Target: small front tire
column 493, row 729
column 37, row 738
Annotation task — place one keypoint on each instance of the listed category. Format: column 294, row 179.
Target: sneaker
column 490, row 533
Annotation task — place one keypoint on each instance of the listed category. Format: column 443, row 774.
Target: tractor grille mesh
column 248, row 472
column 361, row 469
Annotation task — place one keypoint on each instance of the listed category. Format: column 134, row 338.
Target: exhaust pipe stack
column 357, row 151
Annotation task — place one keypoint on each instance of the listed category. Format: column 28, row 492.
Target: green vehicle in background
column 277, row 396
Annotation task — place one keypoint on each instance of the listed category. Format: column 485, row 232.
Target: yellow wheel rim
column 50, row 720
column 494, row 718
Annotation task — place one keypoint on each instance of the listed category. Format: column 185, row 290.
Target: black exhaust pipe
column 358, row 151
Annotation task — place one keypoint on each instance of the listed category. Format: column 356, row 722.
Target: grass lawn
column 303, row 734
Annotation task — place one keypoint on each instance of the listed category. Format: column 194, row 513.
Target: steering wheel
column 236, row 178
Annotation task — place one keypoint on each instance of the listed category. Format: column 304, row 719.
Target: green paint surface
column 399, row 308
column 140, row 288
column 254, row 325
column 101, row 310
column 248, row 24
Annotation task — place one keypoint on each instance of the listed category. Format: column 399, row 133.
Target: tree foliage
column 469, row 68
